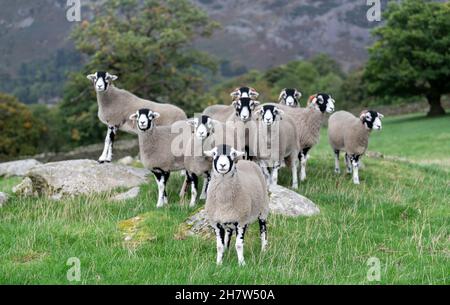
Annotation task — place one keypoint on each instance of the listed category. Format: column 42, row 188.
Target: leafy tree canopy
column 412, row 54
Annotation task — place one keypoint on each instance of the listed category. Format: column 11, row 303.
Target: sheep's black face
column 244, row 107
column 371, row 119
column 290, row 97
column 203, row 126
column 323, row 102
column 144, row 118
column 101, row 80
column 244, row 92
column 224, row 158
column 269, row 114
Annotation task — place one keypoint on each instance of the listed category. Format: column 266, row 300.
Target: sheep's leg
column 294, row 171
column 183, row 188
column 275, row 169
column 240, row 233
column 220, row 235
column 337, row 170
column 104, row 154
column 159, row 177
column 263, row 233
column 303, row 156
column 205, row 185
column 348, row 163
column 194, row 184
column 166, row 179
column 265, row 171
column 228, row 233
column 355, row 164
column 112, row 136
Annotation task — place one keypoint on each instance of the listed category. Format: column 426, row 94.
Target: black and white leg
column 220, row 241
column 160, row 180
column 265, row 170
column 355, row 164
column 228, row 233
column 294, row 171
column 106, row 155
column 303, row 157
column 276, row 167
column 166, row 178
column 184, row 187
column 194, row 183
column 263, row 233
column 240, row 234
column 348, row 163
column 337, row 170
column 207, row 178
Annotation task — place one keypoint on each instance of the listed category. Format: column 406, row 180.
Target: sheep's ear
column 236, row 154
column 210, row 153
column 255, row 104
column 91, row 77
column 312, row 99
column 297, row 94
column 234, row 103
column 362, row 115
column 235, row 94
column 111, row 77
column 134, row 116
column 279, row 111
column 260, row 111
column 154, row 115
column 253, row 93
column 380, row 115
column 282, row 95
column 192, row 122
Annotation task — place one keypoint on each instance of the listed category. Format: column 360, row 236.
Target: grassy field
column 399, row 214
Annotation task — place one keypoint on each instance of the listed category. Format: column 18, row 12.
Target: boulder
column 283, row 201
column 76, row 177
column 3, row 199
column 17, row 168
column 128, row 160
column 132, row 193
column 24, row 188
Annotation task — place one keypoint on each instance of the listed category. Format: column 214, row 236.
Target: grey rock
column 282, row 201
column 131, row 194
column 3, row 199
column 289, row 203
column 76, row 177
column 24, row 188
column 128, row 160
column 17, row 168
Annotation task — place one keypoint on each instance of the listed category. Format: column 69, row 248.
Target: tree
column 148, row 45
column 412, row 54
column 20, row 131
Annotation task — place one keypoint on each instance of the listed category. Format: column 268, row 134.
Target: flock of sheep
column 237, row 148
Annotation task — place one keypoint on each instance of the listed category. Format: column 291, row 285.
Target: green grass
column 399, row 214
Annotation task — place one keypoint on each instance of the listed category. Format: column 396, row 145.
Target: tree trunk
column 436, row 109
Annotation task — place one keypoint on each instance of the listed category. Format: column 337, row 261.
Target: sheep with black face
column 277, row 142
column 237, row 196
column 290, row 97
column 114, row 106
column 156, row 149
column 351, row 134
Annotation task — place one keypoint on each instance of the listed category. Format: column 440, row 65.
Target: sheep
column 290, row 97
column 115, row 104
column 156, row 149
column 207, row 134
column 237, row 196
column 277, row 134
column 223, row 112
column 308, row 122
column 351, row 134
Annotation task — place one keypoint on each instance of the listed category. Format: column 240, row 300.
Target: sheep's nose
column 222, row 165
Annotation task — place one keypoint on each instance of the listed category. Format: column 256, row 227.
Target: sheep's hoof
column 242, row 263
column 101, row 161
column 337, row 170
column 192, row 205
column 295, row 186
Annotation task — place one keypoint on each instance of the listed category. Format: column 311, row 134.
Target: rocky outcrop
column 3, row 199
column 77, row 177
column 131, row 194
column 282, row 201
column 17, row 168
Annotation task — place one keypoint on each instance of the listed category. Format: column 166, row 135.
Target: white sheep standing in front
column 277, row 142
column 157, row 150
column 237, row 196
column 115, row 105
column 308, row 122
column 351, row 134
